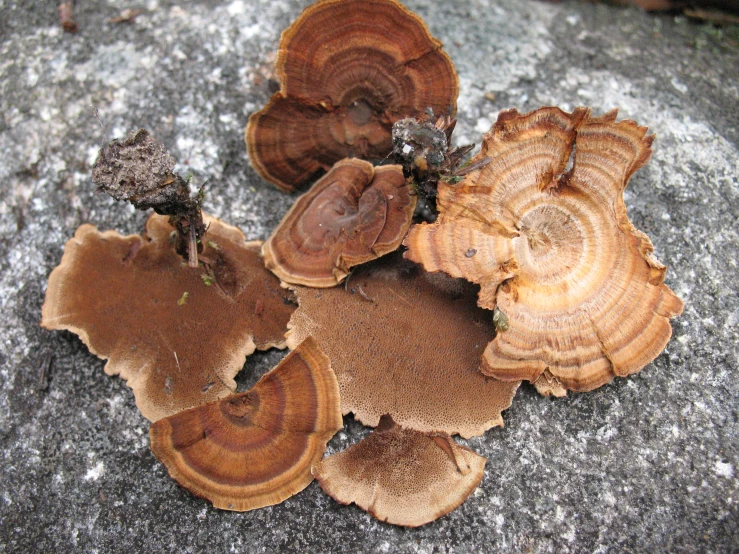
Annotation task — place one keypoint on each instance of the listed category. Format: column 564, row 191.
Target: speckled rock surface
column 648, row 463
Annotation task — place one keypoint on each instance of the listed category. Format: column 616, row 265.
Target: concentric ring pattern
column 255, row 448
column 349, row 69
column 353, row 214
column 543, row 229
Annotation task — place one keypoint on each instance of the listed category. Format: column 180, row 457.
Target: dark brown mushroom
column 352, row 215
column 402, row 476
column 580, row 294
column 255, row 448
column 349, row 69
column 406, row 343
column 177, row 334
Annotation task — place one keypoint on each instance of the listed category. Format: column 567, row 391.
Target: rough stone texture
column 647, row 463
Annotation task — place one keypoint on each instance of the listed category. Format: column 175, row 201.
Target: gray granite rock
column 647, row 463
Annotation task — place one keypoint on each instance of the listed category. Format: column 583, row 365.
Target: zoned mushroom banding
column 178, row 335
column 553, row 249
column 406, row 343
column 402, row 476
column 349, row 69
column 353, row 214
column 255, row 448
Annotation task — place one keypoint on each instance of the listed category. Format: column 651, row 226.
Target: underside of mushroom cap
column 349, row 70
column 352, row 215
column 543, row 229
column 255, row 448
column 178, row 335
column 402, row 476
column 406, row 343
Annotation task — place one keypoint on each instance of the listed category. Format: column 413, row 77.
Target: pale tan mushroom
column 554, row 251
column 402, row 476
column 406, row 343
column 353, row 214
column 178, row 335
column 255, row 448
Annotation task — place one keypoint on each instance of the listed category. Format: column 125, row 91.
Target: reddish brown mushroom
column 349, row 69
column 580, row 294
column 402, row 476
column 352, row 215
column 255, row 448
column 177, row 334
column 406, row 343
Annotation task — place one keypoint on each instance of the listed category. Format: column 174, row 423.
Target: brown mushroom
column 554, row 251
column 402, row 476
column 352, row 215
column 349, row 69
column 177, row 334
column 255, row 448
column 406, row 343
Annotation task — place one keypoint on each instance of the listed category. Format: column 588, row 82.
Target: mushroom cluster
column 531, row 271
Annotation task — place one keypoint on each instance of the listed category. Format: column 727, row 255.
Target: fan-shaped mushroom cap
column 349, row 69
column 402, row 476
column 553, row 249
column 255, row 448
column 352, row 215
column 178, row 335
column 406, row 343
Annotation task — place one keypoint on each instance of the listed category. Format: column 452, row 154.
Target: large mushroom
column 255, row 448
column 177, row 334
column 353, row 214
column 348, row 69
column 578, row 295
column 402, row 476
column 406, row 343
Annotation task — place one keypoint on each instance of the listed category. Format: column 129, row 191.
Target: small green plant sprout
column 500, row 320
column 183, row 299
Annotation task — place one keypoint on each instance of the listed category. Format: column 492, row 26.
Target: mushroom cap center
column 550, row 246
column 359, row 112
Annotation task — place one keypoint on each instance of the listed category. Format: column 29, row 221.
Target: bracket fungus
column 405, row 343
column 177, row 334
column 402, row 476
column 581, row 295
column 255, row 448
column 353, row 214
column 348, row 69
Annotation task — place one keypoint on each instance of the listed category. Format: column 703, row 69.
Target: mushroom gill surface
column 353, row 214
column 255, row 448
column 178, row 335
column 402, row 476
column 406, row 343
column 348, row 69
column 553, row 249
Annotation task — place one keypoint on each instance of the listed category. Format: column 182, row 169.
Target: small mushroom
column 349, row 69
column 177, row 334
column 352, row 215
column 406, row 343
column 402, row 476
column 255, row 448
column 577, row 292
